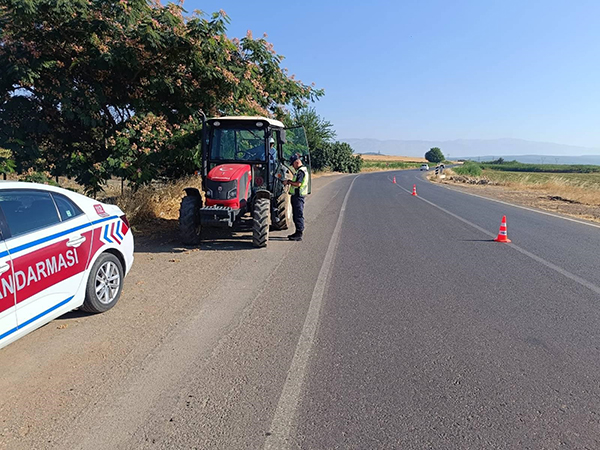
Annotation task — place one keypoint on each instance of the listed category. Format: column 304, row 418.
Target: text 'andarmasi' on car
column 59, row 251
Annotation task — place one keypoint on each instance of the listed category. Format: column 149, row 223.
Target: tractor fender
column 262, row 194
column 192, row 192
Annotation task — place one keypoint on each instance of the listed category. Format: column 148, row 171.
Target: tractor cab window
column 238, row 144
column 296, row 143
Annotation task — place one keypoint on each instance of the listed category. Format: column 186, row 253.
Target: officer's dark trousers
column 298, row 211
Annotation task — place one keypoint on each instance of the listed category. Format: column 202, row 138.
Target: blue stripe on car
column 106, row 238
column 117, row 228
column 33, row 319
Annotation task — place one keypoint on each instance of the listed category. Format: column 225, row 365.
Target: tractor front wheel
column 189, row 219
column 260, row 222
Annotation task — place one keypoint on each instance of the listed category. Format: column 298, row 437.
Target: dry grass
column 574, row 188
column 386, row 158
column 151, row 204
column 386, row 169
column 573, row 194
column 563, row 188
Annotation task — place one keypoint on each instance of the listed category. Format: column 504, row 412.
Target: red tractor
column 244, row 162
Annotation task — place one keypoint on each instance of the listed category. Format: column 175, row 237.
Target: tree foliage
column 325, row 154
column 7, row 163
column 434, row 155
column 342, row 158
column 318, row 130
column 92, row 89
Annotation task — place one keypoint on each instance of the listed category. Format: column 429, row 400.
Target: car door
column 8, row 316
column 49, row 244
column 296, row 142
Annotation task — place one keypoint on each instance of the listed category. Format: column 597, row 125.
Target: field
column 388, row 158
column 572, row 193
column 373, row 163
column 583, row 180
column 514, row 166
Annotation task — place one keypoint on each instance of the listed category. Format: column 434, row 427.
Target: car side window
column 66, row 207
column 28, row 210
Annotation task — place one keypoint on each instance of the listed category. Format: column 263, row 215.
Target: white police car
column 59, row 250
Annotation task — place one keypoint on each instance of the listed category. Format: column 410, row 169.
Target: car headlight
column 232, row 194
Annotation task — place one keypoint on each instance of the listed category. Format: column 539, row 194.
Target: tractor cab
column 244, row 163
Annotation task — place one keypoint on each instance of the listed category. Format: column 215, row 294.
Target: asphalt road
column 433, row 336
column 396, row 323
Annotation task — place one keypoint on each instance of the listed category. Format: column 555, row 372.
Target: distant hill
column 473, row 148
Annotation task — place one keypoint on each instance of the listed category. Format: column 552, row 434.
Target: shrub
column 38, row 177
column 469, row 169
column 157, row 201
column 338, row 156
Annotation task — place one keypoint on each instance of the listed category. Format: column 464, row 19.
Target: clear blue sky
column 439, row 69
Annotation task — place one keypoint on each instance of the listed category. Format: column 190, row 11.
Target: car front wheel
column 104, row 284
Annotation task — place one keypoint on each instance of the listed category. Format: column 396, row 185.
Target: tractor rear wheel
column 260, row 223
column 189, row 220
column 284, row 212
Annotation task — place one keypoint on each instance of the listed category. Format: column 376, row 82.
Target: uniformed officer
column 298, row 191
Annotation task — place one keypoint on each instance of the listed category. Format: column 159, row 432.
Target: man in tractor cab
column 272, row 158
column 272, row 151
column 298, row 190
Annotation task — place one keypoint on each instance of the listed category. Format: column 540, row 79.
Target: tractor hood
column 228, row 172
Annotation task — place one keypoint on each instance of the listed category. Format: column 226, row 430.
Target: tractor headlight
column 232, row 194
column 208, row 193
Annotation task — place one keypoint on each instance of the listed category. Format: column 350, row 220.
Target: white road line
column 477, row 227
column 592, row 287
column 285, row 414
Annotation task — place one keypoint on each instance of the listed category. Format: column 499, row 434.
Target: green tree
column 434, row 155
column 325, row 154
column 342, row 158
column 149, row 148
column 318, row 130
column 7, row 163
column 73, row 75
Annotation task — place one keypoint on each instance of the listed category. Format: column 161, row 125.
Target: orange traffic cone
column 414, row 189
column 502, row 234
column 394, row 180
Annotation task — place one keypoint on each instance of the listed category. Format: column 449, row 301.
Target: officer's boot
column 297, row 237
column 292, row 236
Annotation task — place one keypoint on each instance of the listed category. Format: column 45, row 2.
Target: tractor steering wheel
column 243, row 155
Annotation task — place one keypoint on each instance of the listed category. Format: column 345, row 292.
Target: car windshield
column 238, row 144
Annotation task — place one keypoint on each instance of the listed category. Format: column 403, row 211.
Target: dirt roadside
column 53, row 378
